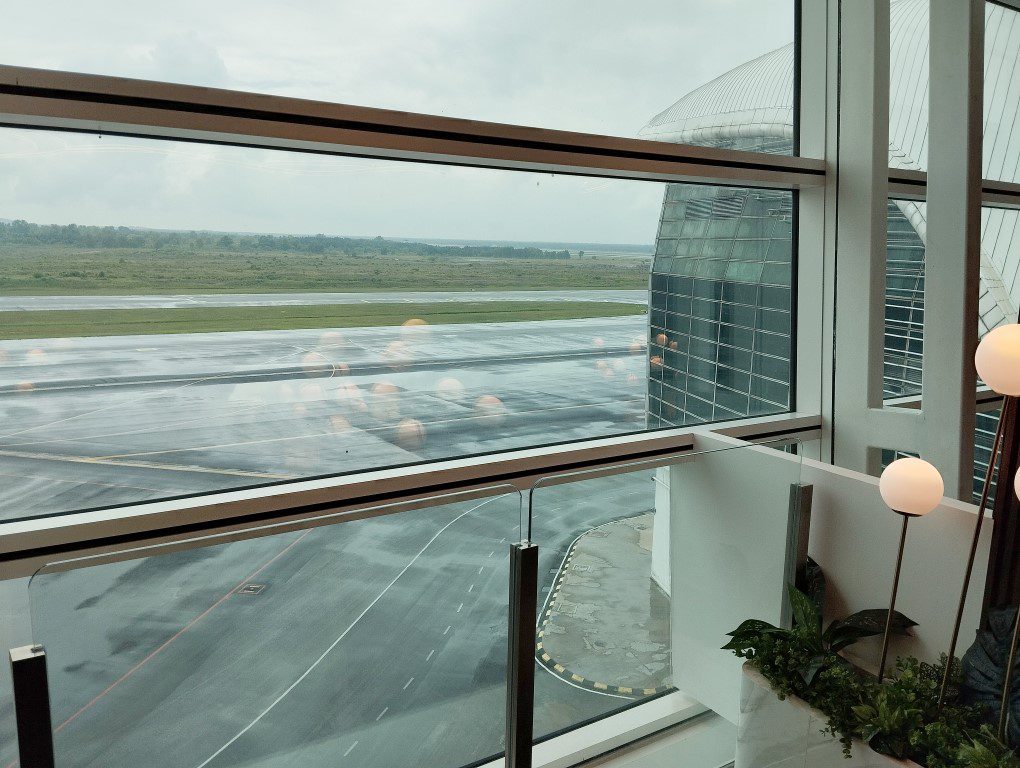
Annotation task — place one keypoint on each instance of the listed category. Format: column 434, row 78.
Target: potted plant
column 803, row 703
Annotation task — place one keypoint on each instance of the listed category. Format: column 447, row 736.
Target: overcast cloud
column 596, row 66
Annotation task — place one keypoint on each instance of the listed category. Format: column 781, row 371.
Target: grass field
column 47, row 324
column 68, row 270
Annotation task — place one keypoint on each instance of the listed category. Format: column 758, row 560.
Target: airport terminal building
column 720, row 329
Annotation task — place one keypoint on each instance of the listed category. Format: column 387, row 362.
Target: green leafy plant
column 986, row 751
column 900, row 717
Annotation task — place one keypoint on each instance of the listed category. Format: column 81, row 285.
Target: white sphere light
column 911, row 486
column 998, row 359
column 1016, row 484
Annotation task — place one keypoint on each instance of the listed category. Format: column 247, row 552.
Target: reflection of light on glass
column 311, row 392
column 632, row 378
column 608, row 372
column 598, row 342
column 397, row 354
column 450, row 389
column 490, row 409
column 3, row 356
column 339, row 423
column 350, row 395
column 656, row 361
column 637, row 345
column 300, row 409
column 385, row 405
column 332, row 340
column 25, row 386
column 316, row 364
column 35, row 356
column 286, row 391
column 61, row 344
column 410, row 434
column 341, row 369
column 601, row 364
column 618, row 364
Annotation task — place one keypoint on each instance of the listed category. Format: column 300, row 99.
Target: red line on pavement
column 180, row 632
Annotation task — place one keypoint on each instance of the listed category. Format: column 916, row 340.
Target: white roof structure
column 755, row 100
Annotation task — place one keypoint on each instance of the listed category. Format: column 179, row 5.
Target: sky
column 592, row 65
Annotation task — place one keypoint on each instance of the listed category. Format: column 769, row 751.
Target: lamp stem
column 892, row 598
column 1007, row 404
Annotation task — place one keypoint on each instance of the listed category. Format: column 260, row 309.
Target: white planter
column 790, row 734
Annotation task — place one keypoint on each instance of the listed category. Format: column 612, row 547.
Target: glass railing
column 365, row 644
column 380, row 637
column 613, row 543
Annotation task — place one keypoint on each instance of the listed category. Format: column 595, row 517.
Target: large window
column 570, row 65
column 179, row 319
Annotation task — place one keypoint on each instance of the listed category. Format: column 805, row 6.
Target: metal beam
column 112, row 105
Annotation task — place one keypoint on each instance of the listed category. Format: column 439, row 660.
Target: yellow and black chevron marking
column 547, row 661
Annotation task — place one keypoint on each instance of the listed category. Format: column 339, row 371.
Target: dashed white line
column 350, row 749
column 492, row 553
column 502, row 540
column 459, row 607
column 337, row 642
column 447, row 630
column 431, row 654
column 380, row 715
column 471, row 588
column 407, row 684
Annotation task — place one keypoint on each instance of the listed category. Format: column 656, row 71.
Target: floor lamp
column 911, row 488
column 998, row 364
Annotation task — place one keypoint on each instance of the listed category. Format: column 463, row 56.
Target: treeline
column 25, row 233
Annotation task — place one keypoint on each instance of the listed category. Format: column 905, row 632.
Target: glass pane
column 722, row 347
column 610, row 548
column 155, row 341
column 904, row 299
column 909, row 85
column 368, row 643
column 568, row 65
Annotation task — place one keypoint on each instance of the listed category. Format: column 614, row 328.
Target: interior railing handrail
column 28, row 544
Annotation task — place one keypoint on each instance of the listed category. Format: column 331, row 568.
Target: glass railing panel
column 369, row 643
column 643, row 568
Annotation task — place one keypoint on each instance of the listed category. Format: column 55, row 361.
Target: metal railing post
column 32, row 706
column 520, row 689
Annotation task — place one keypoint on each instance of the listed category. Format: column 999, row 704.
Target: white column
column 952, row 257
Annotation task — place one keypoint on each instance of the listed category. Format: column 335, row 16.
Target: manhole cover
column 252, row 589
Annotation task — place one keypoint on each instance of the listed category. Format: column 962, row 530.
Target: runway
column 10, row 303
column 375, row 643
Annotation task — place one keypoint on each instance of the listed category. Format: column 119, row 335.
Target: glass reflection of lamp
column 911, row 488
column 998, row 364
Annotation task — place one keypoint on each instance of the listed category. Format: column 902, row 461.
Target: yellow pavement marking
column 108, row 461
column 578, row 679
column 624, row 689
column 602, row 686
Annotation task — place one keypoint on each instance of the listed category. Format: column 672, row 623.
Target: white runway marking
column 350, row 749
column 344, row 634
column 459, row 607
column 380, row 715
column 480, row 569
column 407, row 684
column 471, row 588
column 431, row 654
column 447, row 630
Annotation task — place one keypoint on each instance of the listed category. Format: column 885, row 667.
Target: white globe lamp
column 911, row 488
